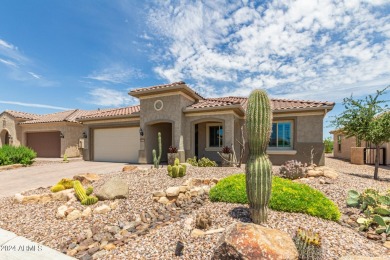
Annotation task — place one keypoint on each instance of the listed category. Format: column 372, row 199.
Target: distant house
column 204, row 125
column 342, row 147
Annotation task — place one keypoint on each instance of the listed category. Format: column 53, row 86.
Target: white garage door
column 116, row 144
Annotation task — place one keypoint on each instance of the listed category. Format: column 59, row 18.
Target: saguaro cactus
column 156, row 160
column 258, row 168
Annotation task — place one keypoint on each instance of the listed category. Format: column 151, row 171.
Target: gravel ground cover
column 38, row 222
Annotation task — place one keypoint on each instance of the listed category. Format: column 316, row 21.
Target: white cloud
column 109, row 97
column 34, row 75
column 317, row 49
column 33, row 105
column 9, row 63
column 116, row 74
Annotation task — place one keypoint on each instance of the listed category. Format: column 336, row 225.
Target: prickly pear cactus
column 258, row 168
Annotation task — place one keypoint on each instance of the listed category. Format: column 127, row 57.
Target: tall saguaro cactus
column 258, row 168
column 156, row 160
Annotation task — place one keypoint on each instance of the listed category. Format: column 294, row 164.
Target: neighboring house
column 342, row 147
column 51, row 135
column 204, row 125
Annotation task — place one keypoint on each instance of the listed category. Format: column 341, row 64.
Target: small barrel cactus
column 258, row 168
column 89, row 190
column 57, row 188
column 309, row 244
column 81, row 194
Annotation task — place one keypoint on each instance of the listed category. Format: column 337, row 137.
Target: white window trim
column 213, row 149
column 281, row 152
column 273, row 150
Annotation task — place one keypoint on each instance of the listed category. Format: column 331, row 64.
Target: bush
column 328, row 145
column 292, row 170
column 172, row 149
column 203, row 162
column 16, row 154
column 286, row 196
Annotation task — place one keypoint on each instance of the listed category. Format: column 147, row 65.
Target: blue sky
column 87, row 54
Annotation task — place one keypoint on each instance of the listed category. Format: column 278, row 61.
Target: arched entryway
column 151, row 140
column 4, row 137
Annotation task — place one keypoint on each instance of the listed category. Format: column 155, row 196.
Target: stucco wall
column 227, row 121
column 10, row 124
column 346, row 144
column 72, row 133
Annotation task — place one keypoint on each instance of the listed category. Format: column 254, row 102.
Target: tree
column 366, row 119
column 328, row 144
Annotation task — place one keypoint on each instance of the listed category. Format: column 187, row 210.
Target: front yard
column 90, row 236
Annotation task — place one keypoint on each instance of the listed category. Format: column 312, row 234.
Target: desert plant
column 328, row 145
column 258, row 168
column 226, row 149
column 177, row 162
column 172, row 149
column 206, row 162
column 82, row 196
column 65, row 159
column 192, row 161
column 308, row 244
column 177, row 170
column 89, row 190
column 57, row 188
column 16, row 154
column 376, row 208
column 292, row 170
column 156, row 160
column 287, row 196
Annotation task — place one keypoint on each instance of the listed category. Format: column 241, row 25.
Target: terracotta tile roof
column 124, row 111
column 23, row 115
column 165, row 86
column 277, row 104
column 159, row 86
column 64, row 116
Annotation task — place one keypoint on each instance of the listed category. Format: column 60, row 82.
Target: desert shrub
column 203, row 162
column 328, row 145
column 206, row 162
column 292, row 170
column 286, row 196
column 16, row 154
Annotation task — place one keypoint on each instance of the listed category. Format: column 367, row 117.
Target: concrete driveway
column 27, row 178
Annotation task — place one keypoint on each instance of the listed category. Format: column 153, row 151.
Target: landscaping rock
column 159, row 193
column 114, row 205
column 86, row 212
column 129, row 168
column 331, row 174
column 102, row 209
column 314, row 173
column 164, row 200
column 214, row 231
column 75, row 214
column 197, row 233
column 114, row 188
column 87, row 178
column 387, row 244
column 358, row 257
column 250, row 241
column 172, row 191
column 61, row 211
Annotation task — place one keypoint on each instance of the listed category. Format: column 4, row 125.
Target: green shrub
column 286, row 196
column 328, row 145
column 192, row 161
column 16, row 154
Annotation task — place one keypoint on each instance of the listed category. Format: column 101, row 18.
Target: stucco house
column 202, row 125
column 342, row 148
column 51, row 135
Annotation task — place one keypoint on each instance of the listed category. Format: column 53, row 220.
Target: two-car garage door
column 116, row 144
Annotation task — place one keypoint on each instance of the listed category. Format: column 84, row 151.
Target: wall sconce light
column 85, row 135
column 62, row 135
column 141, row 132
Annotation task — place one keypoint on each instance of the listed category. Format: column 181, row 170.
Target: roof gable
column 21, row 115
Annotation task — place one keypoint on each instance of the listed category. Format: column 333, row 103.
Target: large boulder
column 86, row 178
column 114, row 188
column 250, row 241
